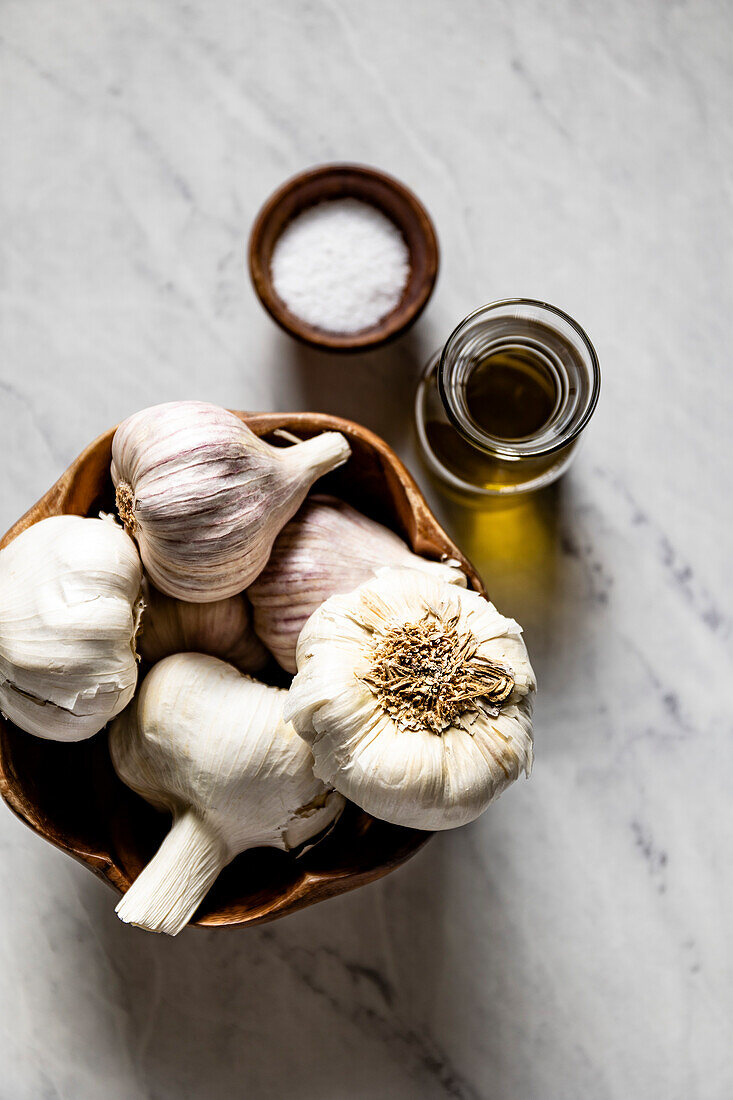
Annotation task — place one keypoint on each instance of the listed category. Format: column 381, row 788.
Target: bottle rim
column 501, row 448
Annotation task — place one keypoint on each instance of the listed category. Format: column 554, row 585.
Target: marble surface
column 574, row 942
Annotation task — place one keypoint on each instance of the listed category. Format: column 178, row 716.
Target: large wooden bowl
column 69, row 794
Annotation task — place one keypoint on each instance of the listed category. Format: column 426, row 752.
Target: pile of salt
column 341, row 265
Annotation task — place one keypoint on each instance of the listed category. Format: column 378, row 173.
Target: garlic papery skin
column 69, row 611
column 205, row 497
column 222, row 629
column 415, row 697
column 327, row 548
column 210, row 746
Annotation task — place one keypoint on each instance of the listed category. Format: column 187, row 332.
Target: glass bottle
column 501, row 408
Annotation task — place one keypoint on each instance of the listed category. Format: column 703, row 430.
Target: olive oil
column 478, row 469
column 511, row 393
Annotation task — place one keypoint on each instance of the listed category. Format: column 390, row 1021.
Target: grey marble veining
column 574, row 942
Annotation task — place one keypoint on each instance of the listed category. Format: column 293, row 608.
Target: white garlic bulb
column 210, row 746
column 415, row 697
column 221, row 629
column 326, row 548
column 205, row 497
column 69, row 610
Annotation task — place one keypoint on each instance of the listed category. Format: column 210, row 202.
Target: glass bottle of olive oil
column 499, row 410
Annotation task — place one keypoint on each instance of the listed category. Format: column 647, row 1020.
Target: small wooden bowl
column 339, row 181
column 69, row 793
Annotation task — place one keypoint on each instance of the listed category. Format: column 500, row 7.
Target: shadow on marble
column 375, row 389
column 341, row 994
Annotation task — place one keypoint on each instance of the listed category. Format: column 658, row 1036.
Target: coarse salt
column 341, row 265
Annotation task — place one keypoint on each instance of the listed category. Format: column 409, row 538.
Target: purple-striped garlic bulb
column 220, row 629
column 327, row 548
column 205, row 497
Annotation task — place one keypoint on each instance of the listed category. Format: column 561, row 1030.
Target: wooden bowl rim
column 429, row 536
column 391, row 326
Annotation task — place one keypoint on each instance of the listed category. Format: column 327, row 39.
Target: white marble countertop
column 575, row 941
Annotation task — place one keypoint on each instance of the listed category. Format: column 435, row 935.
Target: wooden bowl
column 69, row 793
column 338, row 181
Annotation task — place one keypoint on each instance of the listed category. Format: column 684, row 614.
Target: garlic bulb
column 222, row 629
column 210, row 746
column 415, row 697
column 69, row 610
column 205, row 497
column 328, row 547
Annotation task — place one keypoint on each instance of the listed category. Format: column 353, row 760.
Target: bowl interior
column 390, row 196
column 69, row 793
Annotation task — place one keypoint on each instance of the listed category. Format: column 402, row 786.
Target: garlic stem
column 318, row 455
column 167, row 892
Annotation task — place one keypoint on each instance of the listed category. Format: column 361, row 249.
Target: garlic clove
column 69, row 611
column 209, row 745
column 328, row 547
column 205, row 497
column 222, row 629
column 416, row 699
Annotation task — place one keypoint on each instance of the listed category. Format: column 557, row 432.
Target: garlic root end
column 125, row 501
